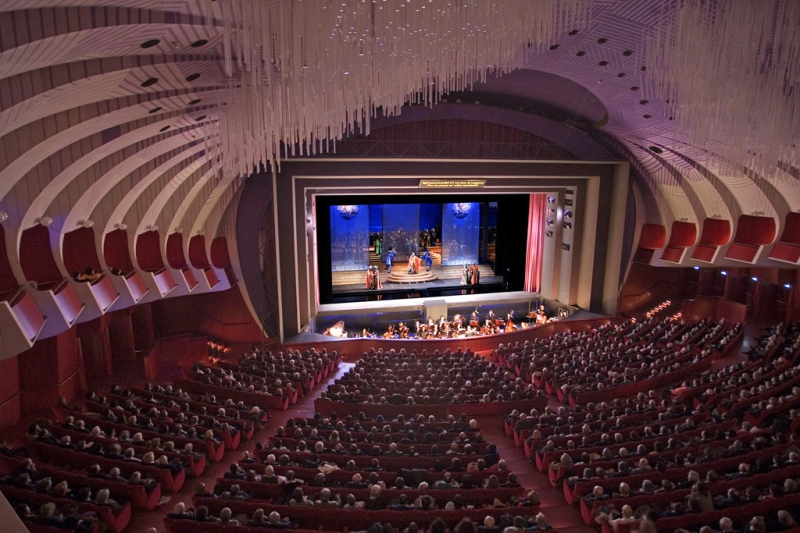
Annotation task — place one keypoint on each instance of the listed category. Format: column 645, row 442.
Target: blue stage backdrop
column 349, row 237
column 461, row 226
column 401, row 230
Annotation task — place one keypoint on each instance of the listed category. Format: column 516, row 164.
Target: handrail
column 218, row 321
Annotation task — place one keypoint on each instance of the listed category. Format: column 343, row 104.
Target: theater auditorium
column 399, row 266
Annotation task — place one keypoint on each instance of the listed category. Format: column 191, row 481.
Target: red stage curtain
column 533, row 263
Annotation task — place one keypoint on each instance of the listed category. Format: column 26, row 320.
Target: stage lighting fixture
column 551, row 199
column 348, row 211
column 787, row 286
column 724, row 272
column 550, row 222
column 121, row 225
column 3, row 216
column 697, row 268
column 568, row 213
column 44, row 221
column 86, row 223
column 754, row 278
column 460, row 210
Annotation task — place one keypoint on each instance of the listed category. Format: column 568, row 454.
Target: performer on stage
column 378, row 245
column 369, row 278
column 413, row 264
column 476, row 274
column 465, row 276
column 376, row 278
column 389, row 260
column 426, row 256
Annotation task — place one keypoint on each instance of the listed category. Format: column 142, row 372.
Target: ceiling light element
column 44, row 221
column 731, row 74
column 360, row 57
column 86, row 223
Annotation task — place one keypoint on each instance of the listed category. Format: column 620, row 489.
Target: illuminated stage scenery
column 473, row 231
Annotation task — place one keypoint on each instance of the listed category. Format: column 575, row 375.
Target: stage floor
column 350, row 286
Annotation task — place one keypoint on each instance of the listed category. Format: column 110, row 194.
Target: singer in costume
column 476, row 274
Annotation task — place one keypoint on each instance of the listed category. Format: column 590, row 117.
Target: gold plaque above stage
column 451, row 184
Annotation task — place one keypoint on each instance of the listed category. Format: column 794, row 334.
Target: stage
column 350, row 286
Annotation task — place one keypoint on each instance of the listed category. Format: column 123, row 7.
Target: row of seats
column 696, row 454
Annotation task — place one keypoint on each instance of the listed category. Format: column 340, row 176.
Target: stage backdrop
column 349, row 237
column 401, row 230
column 461, row 226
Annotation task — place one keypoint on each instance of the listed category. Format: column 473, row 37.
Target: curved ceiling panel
column 104, row 107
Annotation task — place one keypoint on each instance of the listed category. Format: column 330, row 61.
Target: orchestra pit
column 399, row 266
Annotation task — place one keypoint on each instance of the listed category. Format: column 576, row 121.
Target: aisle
column 142, row 521
column 564, row 518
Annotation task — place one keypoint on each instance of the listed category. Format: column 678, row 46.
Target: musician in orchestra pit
column 476, row 316
column 492, row 317
column 511, row 321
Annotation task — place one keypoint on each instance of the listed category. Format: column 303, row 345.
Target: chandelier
column 303, row 74
column 460, row 210
column 729, row 70
column 348, row 211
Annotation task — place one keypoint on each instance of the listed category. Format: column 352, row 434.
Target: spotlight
column 754, row 278
column 724, row 272
column 788, row 285
column 697, row 268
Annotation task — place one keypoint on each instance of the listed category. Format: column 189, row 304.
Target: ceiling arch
column 73, row 99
